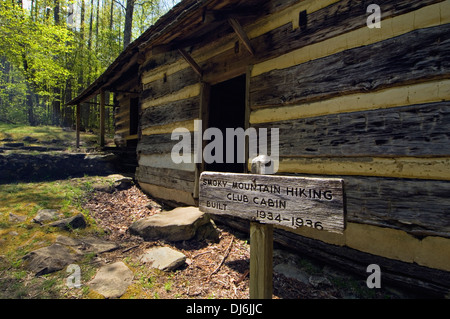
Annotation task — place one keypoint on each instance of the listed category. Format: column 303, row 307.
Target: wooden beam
column 78, row 123
column 96, row 103
column 162, row 48
column 102, row 118
column 241, row 34
column 191, row 62
column 210, row 16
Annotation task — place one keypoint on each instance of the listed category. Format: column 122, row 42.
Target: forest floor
column 218, row 270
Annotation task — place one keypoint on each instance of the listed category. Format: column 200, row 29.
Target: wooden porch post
column 78, row 123
column 102, row 118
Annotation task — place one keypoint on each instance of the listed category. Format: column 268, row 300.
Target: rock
column 208, row 231
column 112, row 280
column 292, row 271
column 112, row 183
column 70, row 223
column 49, row 259
column 163, row 258
column 176, row 225
column 121, row 182
column 103, row 187
column 65, row 251
column 16, row 218
column 87, row 244
column 100, row 157
column 25, row 167
column 46, row 215
column 14, row 144
column 29, row 139
column 317, row 281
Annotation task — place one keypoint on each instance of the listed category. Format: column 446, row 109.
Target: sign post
column 268, row 200
column 261, row 248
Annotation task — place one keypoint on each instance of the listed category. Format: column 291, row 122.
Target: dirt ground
column 213, row 269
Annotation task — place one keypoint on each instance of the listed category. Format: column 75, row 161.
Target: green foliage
column 50, row 52
column 35, row 48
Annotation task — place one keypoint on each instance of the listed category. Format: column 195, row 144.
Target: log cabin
column 364, row 102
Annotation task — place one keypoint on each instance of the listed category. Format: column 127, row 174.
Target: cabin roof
column 185, row 24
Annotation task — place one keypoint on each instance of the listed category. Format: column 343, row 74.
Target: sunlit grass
column 42, row 133
column 19, row 237
column 26, row 199
column 46, row 134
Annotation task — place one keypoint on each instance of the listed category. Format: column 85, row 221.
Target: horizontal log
column 419, row 279
column 168, row 128
column 419, row 207
column 168, row 196
column 122, row 125
column 123, row 131
column 331, row 21
column 170, row 178
column 424, row 53
column 184, row 93
column 165, row 161
column 158, row 144
column 157, row 61
column 172, row 112
column 124, row 116
column 169, row 84
column 418, row 130
column 427, row 92
column 435, row 168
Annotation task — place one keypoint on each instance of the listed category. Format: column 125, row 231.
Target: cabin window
column 227, row 110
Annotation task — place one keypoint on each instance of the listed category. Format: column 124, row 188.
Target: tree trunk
column 128, row 23
column 31, row 119
column 56, row 104
column 56, row 12
column 96, row 25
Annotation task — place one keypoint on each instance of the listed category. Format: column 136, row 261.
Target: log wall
column 371, row 106
column 125, row 92
column 170, row 99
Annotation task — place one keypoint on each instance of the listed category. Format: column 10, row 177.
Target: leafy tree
column 50, row 50
column 36, row 50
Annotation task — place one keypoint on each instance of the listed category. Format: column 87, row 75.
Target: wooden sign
column 273, row 199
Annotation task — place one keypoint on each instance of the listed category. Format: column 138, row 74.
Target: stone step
column 182, row 223
column 163, row 258
column 112, row 280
